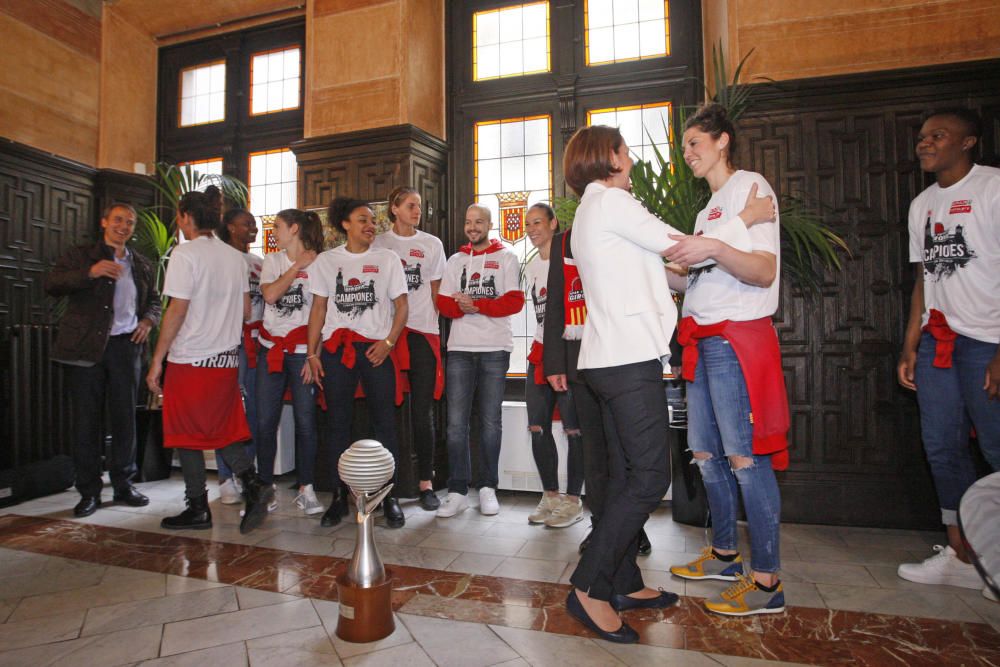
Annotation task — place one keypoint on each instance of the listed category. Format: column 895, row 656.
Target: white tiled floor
column 58, row 611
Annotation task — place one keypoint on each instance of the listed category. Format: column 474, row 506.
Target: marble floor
column 115, row 589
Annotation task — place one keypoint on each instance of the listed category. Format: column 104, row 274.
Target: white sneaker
column 943, row 568
column 453, row 504
column 488, row 503
column 544, row 508
column 989, row 594
column 273, row 505
column 230, row 493
column 307, row 501
column 566, row 513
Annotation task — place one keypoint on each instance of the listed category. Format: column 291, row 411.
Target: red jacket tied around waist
column 937, row 326
column 756, row 346
column 346, row 338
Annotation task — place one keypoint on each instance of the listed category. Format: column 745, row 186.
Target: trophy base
column 365, row 613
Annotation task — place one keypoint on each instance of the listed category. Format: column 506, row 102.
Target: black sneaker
column 429, row 500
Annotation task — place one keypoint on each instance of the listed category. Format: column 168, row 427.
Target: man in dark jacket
column 113, row 305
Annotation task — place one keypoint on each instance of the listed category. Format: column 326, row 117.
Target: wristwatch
column 389, row 343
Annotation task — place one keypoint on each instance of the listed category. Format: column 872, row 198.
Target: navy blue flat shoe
column 623, row 635
column 662, row 601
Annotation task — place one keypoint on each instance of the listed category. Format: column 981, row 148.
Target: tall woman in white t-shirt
column 422, row 256
column 358, row 313
column 737, row 406
column 202, row 409
column 281, row 355
column 617, row 245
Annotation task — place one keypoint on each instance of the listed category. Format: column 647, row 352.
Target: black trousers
column 423, row 369
column 237, row 456
column 639, row 475
column 595, row 446
column 113, row 383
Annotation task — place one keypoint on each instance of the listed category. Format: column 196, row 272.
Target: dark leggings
column 541, row 400
column 422, row 374
column 237, row 457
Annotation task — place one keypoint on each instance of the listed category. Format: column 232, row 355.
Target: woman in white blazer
column 630, row 318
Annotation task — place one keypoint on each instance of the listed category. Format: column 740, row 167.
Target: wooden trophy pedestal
column 365, row 613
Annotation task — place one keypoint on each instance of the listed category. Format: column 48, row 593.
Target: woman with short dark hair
column 617, row 245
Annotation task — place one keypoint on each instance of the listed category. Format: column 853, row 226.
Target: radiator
column 36, row 424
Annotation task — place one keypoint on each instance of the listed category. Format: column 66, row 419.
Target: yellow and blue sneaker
column 710, row 566
column 746, row 597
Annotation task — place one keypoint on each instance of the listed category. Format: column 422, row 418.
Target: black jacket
column 560, row 356
column 86, row 325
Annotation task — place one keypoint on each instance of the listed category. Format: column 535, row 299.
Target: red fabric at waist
column 282, row 345
column 756, row 346
column 535, row 359
column 937, row 326
column 250, row 343
column 347, row 338
column 202, row 407
column 402, row 350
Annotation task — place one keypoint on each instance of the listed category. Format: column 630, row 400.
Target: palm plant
column 671, row 191
column 155, row 235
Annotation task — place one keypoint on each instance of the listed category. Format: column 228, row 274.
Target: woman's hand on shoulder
column 758, row 209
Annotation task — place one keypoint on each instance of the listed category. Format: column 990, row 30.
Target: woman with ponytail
column 281, row 356
column 358, row 313
column 208, row 285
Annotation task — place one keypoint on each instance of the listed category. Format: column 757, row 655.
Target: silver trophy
column 365, row 467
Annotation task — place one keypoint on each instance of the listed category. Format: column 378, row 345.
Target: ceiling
column 158, row 18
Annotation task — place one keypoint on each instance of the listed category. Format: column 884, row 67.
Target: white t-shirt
column 536, row 278
column 422, row 256
column 213, row 277
column 616, row 245
column 484, row 276
column 713, row 294
column 255, row 263
column 361, row 287
column 955, row 233
column 291, row 311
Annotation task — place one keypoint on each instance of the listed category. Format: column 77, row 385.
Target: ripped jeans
column 541, row 400
column 719, row 425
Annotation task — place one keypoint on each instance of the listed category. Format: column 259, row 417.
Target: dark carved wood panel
column 848, row 142
column 46, row 206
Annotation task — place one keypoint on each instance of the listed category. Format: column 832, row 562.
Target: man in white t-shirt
column 950, row 354
column 480, row 291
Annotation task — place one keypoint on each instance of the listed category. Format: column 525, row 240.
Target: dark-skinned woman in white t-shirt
column 358, row 313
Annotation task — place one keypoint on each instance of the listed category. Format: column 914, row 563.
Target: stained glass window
column 211, row 166
column 620, row 30
column 643, row 127
column 273, row 182
column 511, row 41
column 513, row 171
column 203, row 94
column 274, row 81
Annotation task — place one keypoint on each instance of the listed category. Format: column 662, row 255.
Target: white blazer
column 616, row 245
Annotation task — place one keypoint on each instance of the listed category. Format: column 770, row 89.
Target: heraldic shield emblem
column 513, row 208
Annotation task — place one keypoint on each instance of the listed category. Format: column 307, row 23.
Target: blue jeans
column 465, row 371
column 949, row 399
column 270, row 392
column 248, row 387
column 541, row 400
column 339, row 385
column 719, row 424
